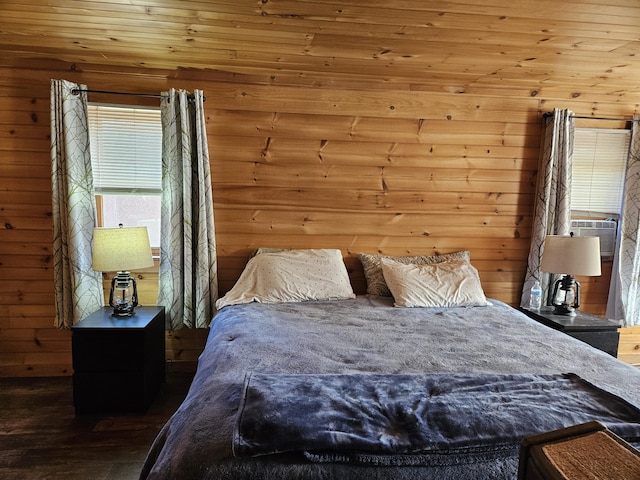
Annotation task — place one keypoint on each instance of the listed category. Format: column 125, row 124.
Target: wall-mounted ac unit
column 605, row 229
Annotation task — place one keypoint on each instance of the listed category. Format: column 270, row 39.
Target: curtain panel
column 624, row 290
column 188, row 286
column 552, row 213
column 78, row 289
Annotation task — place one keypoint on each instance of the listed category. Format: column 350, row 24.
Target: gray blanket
column 364, row 335
column 400, row 419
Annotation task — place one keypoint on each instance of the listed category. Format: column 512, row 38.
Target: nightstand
column 118, row 363
column 597, row 332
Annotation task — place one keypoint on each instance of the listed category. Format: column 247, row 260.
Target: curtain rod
column 548, row 114
column 606, row 118
column 76, row 91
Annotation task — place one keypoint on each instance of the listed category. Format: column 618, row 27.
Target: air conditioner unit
column 605, row 229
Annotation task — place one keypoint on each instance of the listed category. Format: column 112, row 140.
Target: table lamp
column 570, row 255
column 120, row 250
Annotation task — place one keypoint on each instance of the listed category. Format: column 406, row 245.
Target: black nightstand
column 118, row 363
column 597, row 332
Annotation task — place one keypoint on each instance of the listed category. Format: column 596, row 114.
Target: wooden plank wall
column 364, row 167
column 629, row 347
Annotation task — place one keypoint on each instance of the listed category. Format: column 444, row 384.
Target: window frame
column 597, row 214
column 99, row 195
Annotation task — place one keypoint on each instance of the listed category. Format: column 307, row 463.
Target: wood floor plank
column 42, row 438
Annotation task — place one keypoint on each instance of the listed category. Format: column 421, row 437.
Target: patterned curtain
column 188, row 268
column 552, row 214
column 78, row 289
column 624, row 291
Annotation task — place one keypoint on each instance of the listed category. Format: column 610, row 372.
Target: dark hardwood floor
column 42, row 438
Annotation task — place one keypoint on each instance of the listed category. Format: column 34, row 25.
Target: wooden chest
column 588, row 450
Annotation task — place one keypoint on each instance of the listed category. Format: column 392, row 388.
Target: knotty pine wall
column 364, row 167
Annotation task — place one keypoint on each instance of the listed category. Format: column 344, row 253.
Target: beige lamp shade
column 571, row 255
column 121, row 249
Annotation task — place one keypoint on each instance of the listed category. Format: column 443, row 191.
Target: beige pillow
column 373, row 271
column 260, row 250
column 449, row 284
column 291, row 276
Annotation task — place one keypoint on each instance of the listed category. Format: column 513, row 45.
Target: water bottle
column 535, row 298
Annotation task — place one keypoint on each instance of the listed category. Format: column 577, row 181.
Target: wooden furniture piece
column 600, row 333
column 588, row 450
column 118, row 363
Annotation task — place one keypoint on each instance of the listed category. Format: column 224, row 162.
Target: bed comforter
column 365, row 335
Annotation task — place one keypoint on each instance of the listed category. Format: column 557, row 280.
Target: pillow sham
column 373, row 271
column 291, row 276
column 454, row 283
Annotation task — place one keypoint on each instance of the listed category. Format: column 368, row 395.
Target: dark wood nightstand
column 118, row 363
column 597, row 332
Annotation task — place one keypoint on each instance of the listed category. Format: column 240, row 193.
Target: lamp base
column 122, row 311
column 566, row 296
column 564, row 309
column 123, row 296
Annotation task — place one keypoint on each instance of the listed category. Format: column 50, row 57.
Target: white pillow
column 449, row 284
column 291, row 276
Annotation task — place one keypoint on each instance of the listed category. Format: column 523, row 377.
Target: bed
column 299, row 377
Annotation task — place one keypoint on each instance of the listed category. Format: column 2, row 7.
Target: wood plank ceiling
column 445, row 45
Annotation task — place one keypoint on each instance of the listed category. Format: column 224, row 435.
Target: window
column 126, row 158
column 599, row 164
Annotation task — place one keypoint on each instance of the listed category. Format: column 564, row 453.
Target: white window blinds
column 126, row 149
column 599, row 164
